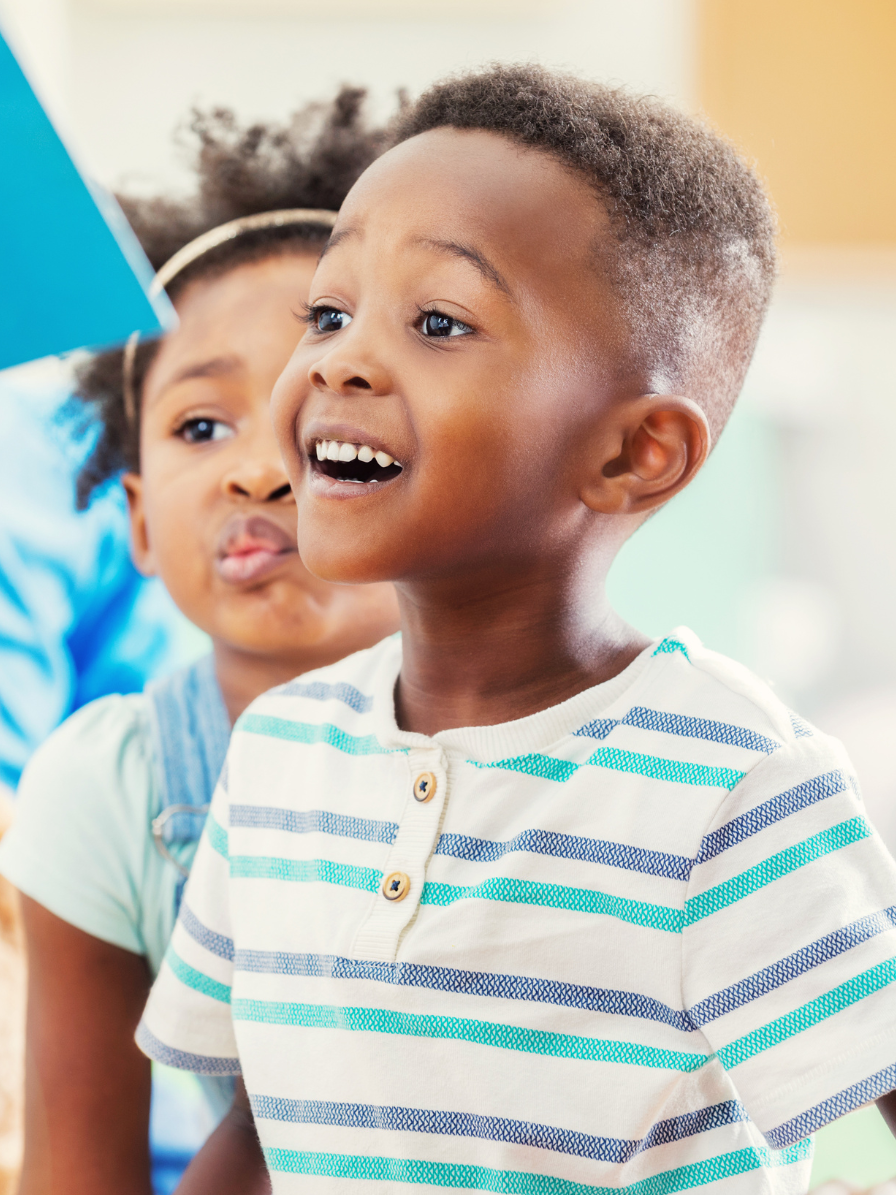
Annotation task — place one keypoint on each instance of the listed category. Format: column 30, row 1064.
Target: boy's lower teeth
column 357, row 472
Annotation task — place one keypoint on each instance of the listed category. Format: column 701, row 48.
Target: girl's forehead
column 244, row 318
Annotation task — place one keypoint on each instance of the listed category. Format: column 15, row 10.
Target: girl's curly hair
column 311, row 161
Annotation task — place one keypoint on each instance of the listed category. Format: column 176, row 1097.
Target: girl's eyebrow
column 214, row 367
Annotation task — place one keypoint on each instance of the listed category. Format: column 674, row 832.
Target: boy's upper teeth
column 338, row 450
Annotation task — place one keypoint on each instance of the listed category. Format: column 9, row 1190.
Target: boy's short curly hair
column 310, row 162
column 693, row 255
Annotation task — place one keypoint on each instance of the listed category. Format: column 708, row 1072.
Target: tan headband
column 192, row 252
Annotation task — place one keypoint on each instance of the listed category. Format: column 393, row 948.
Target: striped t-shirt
column 640, row 941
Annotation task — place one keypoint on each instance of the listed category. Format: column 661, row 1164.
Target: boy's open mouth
column 358, row 463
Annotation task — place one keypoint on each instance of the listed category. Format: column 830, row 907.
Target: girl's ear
column 141, row 551
column 658, row 446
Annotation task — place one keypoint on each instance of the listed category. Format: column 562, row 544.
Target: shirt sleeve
column 79, row 837
column 789, row 943
column 187, row 1021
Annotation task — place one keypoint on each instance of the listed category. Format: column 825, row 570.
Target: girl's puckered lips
column 250, row 547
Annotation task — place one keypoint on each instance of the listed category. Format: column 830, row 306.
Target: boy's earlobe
column 659, row 445
column 141, row 552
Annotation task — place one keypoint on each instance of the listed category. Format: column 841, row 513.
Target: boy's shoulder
column 709, row 695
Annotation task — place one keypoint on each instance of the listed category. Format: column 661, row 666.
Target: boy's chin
column 329, row 562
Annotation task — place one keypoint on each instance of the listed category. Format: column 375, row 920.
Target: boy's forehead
column 479, row 189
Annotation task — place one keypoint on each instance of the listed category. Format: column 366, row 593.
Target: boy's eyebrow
column 455, row 248
column 489, row 272
column 336, row 238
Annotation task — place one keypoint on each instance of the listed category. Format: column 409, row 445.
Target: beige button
column 425, row 787
column 396, row 886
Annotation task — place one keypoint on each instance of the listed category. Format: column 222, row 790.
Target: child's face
column 494, row 423
column 212, row 511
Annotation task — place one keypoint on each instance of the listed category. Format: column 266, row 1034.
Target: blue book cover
column 72, row 274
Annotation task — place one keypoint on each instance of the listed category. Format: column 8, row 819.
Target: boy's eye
column 436, row 324
column 329, row 319
column 201, row 431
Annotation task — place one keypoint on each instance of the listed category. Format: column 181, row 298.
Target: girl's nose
column 257, row 481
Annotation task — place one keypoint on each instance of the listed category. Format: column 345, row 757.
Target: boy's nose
column 348, row 371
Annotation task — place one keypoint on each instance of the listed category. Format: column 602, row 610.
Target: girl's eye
column 436, row 324
column 202, row 431
column 329, row 319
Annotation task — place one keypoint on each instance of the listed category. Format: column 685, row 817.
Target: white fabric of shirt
column 648, row 943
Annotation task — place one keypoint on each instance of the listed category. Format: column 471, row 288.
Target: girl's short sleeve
column 79, row 843
column 789, row 943
column 187, row 1021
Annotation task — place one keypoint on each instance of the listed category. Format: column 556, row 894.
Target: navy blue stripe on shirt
column 493, row 1128
column 199, row 1064
column 310, row 821
column 795, row 964
column 833, row 1108
column 213, row 942
column 769, row 812
column 649, row 862
column 468, row 983
column 320, row 691
column 568, row 846
column 679, row 724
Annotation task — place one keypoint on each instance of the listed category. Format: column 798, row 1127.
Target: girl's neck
column 243, row 676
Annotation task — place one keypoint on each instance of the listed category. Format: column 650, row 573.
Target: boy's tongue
column 251, row 547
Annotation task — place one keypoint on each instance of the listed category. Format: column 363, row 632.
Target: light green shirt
column 81, row 844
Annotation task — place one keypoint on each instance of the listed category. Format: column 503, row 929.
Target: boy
column 532, row 904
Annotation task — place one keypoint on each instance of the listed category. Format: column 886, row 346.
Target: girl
column 112, row 805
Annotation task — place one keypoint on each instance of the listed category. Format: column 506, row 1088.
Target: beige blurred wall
column 808, row 87
column 124, row 73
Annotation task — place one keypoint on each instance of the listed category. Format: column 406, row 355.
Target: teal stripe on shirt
column 217, row 836
column 668, row 646
column 516, row 1182
column 483, row 1033
column 678, row 771
column 197, row 980
column 500, row 888
column 775, row 867
column 263, row 867
column 832, row 1002
column 557, row 896
column 310, row 733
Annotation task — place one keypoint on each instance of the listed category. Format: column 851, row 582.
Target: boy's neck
column 482, row 656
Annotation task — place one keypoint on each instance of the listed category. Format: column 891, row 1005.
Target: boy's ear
column 141, row 551
column 654, row 447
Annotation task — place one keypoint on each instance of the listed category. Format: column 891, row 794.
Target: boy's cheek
column 286, row 401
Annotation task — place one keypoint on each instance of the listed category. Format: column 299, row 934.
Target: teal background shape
column 72, row 273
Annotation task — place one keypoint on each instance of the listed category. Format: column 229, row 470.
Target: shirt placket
column 399, row 892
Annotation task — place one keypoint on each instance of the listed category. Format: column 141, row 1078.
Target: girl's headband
column 198, row 248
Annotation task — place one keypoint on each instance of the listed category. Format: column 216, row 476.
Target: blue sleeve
column 76, row 619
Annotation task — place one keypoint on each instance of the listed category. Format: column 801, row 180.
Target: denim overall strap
column 190, row 731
